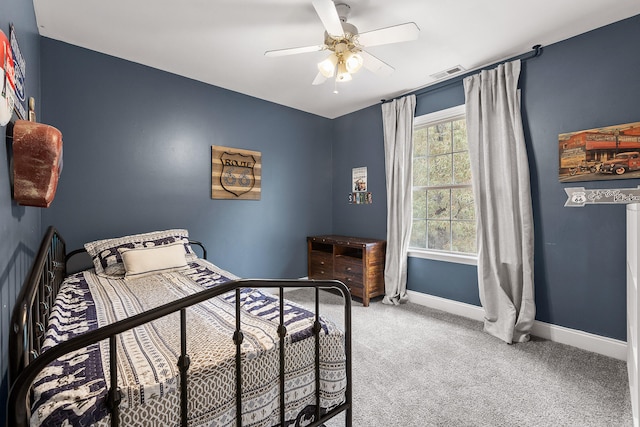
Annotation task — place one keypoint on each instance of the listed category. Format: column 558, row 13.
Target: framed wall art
column 611, row 152
column 235, row 173
column 359, row 195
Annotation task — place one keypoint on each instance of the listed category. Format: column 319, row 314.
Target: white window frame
column 468, row 259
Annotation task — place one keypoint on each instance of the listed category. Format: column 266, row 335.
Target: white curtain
column 397, row 121
column 500, row 176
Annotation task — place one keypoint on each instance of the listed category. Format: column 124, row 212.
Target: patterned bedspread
column 73, row 389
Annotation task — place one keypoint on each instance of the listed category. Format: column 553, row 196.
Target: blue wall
column 20, row 236
column 588, row 81
column 137, row 157
column 358, row 142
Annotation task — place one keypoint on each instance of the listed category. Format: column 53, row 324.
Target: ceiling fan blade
column 294, row 50
column 376, row 65
column 328, row 14
column 319, row 79
column 397, row 33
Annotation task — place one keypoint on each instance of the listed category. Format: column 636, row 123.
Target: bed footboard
column 36, row 298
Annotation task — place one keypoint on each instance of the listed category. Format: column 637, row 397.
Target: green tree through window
column 443, row 207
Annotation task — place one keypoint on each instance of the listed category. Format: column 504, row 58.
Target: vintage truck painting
column 611, row 152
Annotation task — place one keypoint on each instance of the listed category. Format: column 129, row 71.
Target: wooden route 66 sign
column 235, row 173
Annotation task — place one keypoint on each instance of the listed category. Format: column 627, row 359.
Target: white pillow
column 106, row 255
column 142, row 262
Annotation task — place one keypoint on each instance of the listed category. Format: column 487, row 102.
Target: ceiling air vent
column 450, row 72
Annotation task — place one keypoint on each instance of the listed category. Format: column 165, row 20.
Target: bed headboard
column 33, row 304
column 30, row 315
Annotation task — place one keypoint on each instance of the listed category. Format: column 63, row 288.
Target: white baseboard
column 595, row 343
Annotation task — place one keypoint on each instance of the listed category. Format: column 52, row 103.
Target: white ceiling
column 222, row 42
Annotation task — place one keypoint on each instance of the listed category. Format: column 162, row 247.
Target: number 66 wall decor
column 235, row 173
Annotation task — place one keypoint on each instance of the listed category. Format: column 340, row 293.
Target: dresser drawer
column 349, row 271
column 320, row 265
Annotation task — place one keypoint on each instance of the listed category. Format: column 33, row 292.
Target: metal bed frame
column 36, row 298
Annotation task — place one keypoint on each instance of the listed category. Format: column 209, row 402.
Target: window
column 444, row 224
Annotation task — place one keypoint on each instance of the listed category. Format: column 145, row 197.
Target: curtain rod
column 537, row 51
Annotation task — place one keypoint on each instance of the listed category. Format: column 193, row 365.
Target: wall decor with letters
column 235, row 173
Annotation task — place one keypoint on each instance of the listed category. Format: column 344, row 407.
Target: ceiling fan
column 346, row 44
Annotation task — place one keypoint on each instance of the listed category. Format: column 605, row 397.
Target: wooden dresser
column 355, row 261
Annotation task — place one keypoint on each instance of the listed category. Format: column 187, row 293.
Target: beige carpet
column 416, row 366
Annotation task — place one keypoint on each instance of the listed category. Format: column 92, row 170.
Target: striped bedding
column 72, row 390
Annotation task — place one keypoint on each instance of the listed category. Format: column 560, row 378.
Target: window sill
column 441, row 256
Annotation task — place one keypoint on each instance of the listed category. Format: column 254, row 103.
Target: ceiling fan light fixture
column 343, row 74
column 347, row 45
column 328, row 67
column 353, row 62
